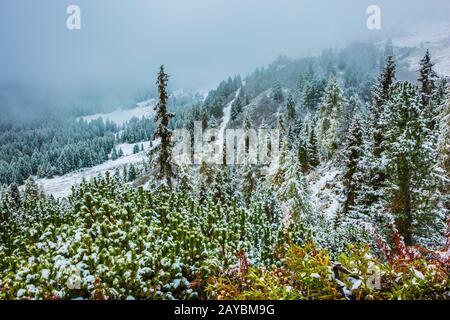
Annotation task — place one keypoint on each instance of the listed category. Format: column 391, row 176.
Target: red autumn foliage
column 243, row 262
column 403, row 254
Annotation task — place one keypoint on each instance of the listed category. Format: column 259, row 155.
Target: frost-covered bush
column 113, row 241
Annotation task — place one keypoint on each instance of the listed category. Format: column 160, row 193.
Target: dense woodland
column 244, row 232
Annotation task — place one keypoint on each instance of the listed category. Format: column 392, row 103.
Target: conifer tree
column 303, row 155
column 330, row 119
column 427, row 79
column 352, row 108
column 381, row 94
column 354, row 152
column 443, row 148
column 411, row 193
column 278, row 172
column 163, row 133
column 14, row 196
column 236, row 108
column 278, row 95
column 375, row 176
column 313, row 152
column 291, row 109
column 293, row 191
column 132, row 173
column 31, row 194
column 114, row 154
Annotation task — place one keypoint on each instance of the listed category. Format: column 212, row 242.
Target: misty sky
column 122, row 42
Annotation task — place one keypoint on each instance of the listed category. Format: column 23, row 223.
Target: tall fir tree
column 313, row 149
column 353, row 159
column 32, row 194
column 14, row 196
column 427, row 79
column 443, row 147
column 291, row 112
column 330, row 119
column 277, row 92
column 294, row 192
column 163, row 133
column 376, row 175
column 381, row 94
column 411, row 193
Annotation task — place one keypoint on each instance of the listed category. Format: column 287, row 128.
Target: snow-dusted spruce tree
column 114, row 154
column 236, row 108
column 277, row 170
column 352, row 107
column 291, row 112
column 277, row 93
column 132, row 173
column 353, row 156
column 443, row 147
column 375, row 174
column 15, row 199
column 294, row 189
column 313, row 159
column 381, row 94
column 411, row 193
column 302, row 147
column 294, row 193
column 355, row 221
column 427, row 79
column 293, row 122
column 330, row 117
column 31, row 194
column 432, row 97
column 162, row 132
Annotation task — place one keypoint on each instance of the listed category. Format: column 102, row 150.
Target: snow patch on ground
column 127, row 148
column 60, row 186
column 325, row 189
column 120, row 117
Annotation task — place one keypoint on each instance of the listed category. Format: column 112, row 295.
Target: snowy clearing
column 127, row 148
column 120, row 117
column 60, row 186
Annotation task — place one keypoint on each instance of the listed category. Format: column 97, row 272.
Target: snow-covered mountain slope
column 120, row 117
column 60, row 186
column 416, row 39
column 226, row 118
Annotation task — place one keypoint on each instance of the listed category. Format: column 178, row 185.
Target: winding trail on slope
column 226, row 118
